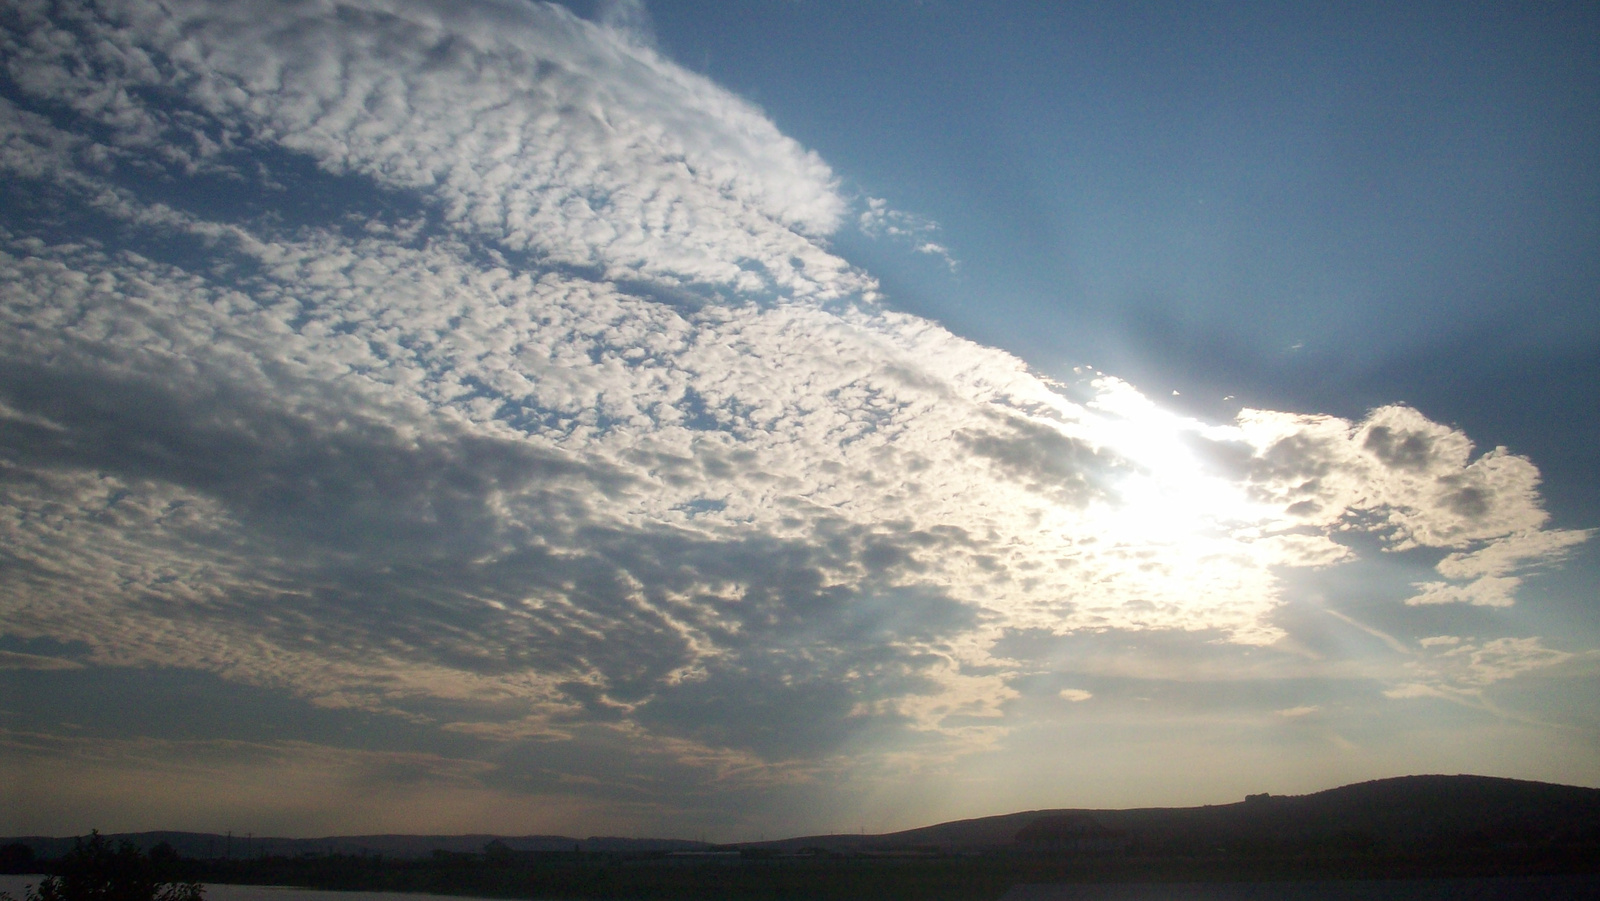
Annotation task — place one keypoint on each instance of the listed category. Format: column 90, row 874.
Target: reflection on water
column 280, row 893
column 17, row 885
column 1509, row 888
column 1520, row 888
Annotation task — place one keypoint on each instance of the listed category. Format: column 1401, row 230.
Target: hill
column 1408, row 812
column 1405, row 815
column 1434, row 827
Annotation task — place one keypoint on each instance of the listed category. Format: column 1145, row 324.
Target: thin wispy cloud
column 879, row 220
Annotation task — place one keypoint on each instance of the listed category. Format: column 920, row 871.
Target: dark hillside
column 1406, row 814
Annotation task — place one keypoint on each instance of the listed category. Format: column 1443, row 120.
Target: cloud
column 1416, row 483
column 1074, row 695
column 629, row 18
column 1047, row 461
column 1460, row 669
column 1414, row 690
column 879, row 220
column 477, row 366
column 14, row 660
column 1416, row 476
column 1489, row 591
column 1501, row 659
column 567, row 141
column 1297, row 712
column 1486, row 570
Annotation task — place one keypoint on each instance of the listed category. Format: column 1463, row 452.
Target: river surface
column 17, row 886
column 1510, row 888
column 1522, row 888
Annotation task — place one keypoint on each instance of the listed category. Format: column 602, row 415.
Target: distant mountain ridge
column 1391, row 815
column 208, row 845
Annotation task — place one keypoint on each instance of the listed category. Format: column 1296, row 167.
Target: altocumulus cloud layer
column 476, row 377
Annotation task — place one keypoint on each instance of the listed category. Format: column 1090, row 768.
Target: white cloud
column 1459, row 670
column 1511, row 553
column 629, row 18
column 541, row 387
column 531, row 127
column 1489, row 591
column 879, row 220
column 1481, row 577
column 1417, row 483
column 1501, row 659
column 1074, row 695
column 1414, row 690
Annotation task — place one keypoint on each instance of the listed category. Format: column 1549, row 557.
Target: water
column 17, row 885
column 1505, row 888
column 1510, row 888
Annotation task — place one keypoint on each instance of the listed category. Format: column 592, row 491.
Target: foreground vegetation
column 97, row 870
column 759, row 876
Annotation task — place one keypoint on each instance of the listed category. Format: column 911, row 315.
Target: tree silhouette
column 95, row 871
column 17, row 858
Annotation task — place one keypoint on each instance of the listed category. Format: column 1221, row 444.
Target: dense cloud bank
column 476, row 366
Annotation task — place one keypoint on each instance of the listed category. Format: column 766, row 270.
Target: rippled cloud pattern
column 476, row 368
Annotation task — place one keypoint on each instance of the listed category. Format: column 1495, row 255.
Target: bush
column 17, row 858
column 95, row 871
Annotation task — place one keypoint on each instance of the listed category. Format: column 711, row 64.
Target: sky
column 725, row 420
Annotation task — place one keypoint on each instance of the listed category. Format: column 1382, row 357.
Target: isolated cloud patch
column 878, row 220
column 1459, row 669
column 1416, row 483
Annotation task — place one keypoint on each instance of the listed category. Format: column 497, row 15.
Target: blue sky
column 1362, row 180
column 1406, row 194
column 768, row 418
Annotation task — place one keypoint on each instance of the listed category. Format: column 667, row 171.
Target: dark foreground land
column 1423, row 827
column 967, row 878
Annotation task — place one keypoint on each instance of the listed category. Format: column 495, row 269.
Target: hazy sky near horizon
column 731, row 419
